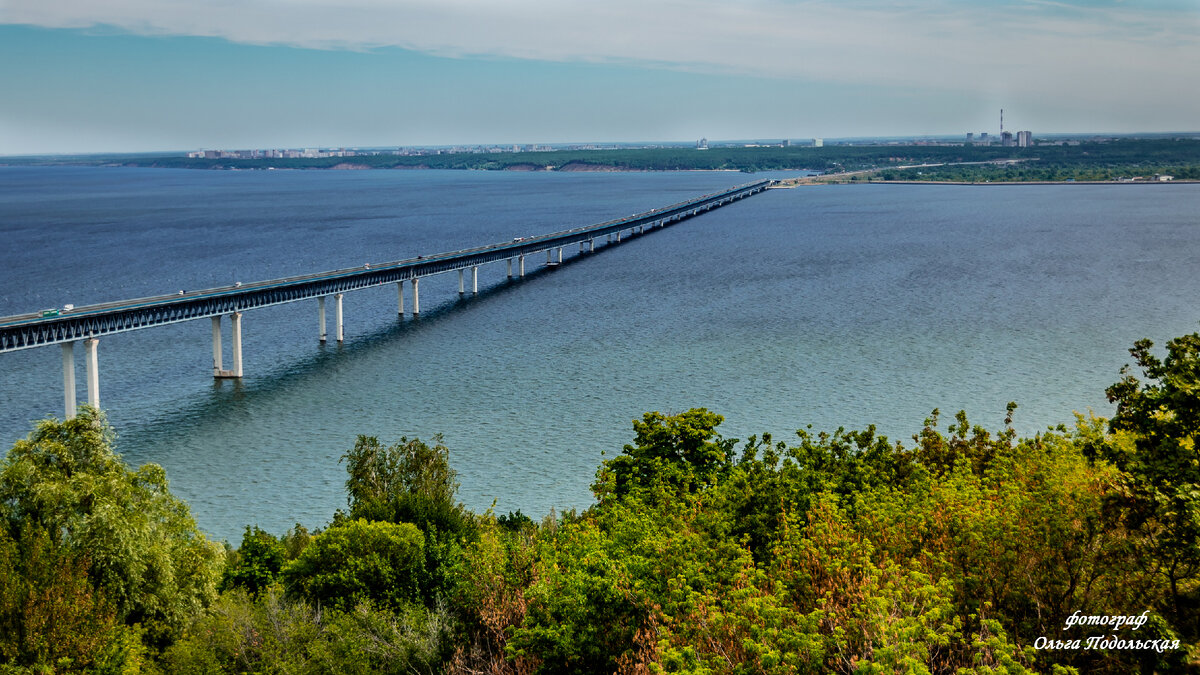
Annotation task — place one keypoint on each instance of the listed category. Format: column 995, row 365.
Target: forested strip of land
column 1107, row 160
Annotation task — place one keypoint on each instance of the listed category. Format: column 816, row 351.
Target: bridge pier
column 219, row 372
column 549, row 256
column 68, row 359
column 216, row 332
column 93, row 371
column 591, row 245
column 560, row 255
column 235, row 321
column 416, row 297
column 320, row 318
column 474, row 279
column 400, row 297
column 522, row 260
column 460, row 281
column 618, row 236
column 581, row 246
column 509, row 261
column 340, row 334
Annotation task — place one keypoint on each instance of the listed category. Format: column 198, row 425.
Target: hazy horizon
column 149, row 76
column 620, row 143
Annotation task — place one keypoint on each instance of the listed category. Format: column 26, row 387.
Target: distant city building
column 983, row 138
column 1006, row 139
column 1024, row 139
column 702, row 144
column 818, row 142
column 970, row 137
column 787, row 142
column 1164, row 178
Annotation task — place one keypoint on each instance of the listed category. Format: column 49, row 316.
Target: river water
column 831, row 306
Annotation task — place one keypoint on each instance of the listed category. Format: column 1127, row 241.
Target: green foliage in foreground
column 962, row 552
column 93, row 555
column 360, row 561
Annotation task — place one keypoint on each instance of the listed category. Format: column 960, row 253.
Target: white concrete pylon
column 68, row 359
column 475, row 279
column 216, row 334
column 522, row 265
column 321, row 318
column 416, row 296
column 93, row 371
column 236, row 320
column 341, row 335
column 460, row 282
column 560, row 254
column 400, row 297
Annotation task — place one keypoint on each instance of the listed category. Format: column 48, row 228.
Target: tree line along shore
column 1108, row 160
column 964, row 550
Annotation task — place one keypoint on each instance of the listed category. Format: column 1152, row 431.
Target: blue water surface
column 831, row 306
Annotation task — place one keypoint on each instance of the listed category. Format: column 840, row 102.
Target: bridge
column 70, row 324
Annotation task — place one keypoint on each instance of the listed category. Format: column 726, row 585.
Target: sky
column 156, row 75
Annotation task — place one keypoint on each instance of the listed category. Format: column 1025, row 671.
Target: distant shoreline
column 818, row 183
column 1084, row 163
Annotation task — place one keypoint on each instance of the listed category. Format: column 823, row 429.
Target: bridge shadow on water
column 327, row 358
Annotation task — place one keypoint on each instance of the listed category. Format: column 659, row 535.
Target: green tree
column 359, row 560
column 1157, row 427
column 276, row 634
column 684, row 451
column 142, row 550
column 412, row 482
column 257, row 564
column 407, row 482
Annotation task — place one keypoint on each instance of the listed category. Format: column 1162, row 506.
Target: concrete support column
column 618, row 236
column 321, row 318
column 509, row 261
column 522, row 265
column 93, row 371
column 460, row 281
column 216, row 326
column 416, row 296
column 68, row 358
column 581, row 247
column 400, row 297
column 549, row 256
column 475, row 279
column 341, row 335
column 591, row 245
column 560, row 254
column 236, row 321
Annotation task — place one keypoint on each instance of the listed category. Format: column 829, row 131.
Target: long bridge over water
column 69, row 325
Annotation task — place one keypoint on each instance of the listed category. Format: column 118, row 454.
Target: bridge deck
column 25, row 331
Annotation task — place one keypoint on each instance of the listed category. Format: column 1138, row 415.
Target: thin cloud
column 1041, row 47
